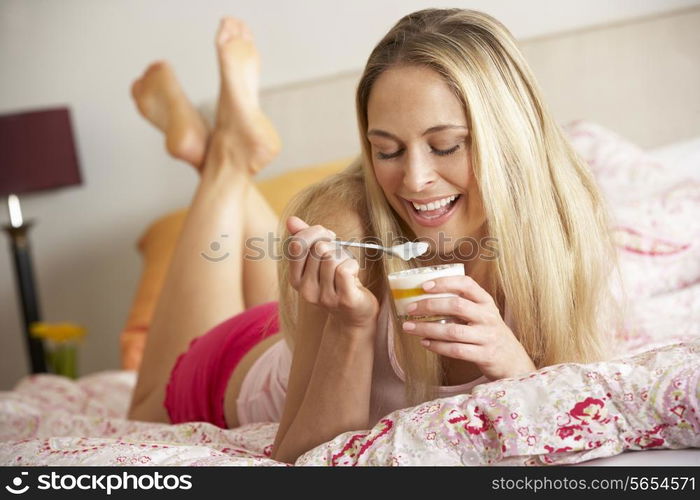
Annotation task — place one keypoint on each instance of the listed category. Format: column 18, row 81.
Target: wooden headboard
column 640, row 78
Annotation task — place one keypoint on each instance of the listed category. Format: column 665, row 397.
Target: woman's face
column 419, row 140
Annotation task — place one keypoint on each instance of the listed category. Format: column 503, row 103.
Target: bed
column 640, row 408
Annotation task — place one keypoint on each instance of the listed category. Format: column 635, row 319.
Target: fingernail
column 425, row 343
column 411, row 307
column 408, row 325
column 428, row 285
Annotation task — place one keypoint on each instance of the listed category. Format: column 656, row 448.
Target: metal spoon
column 406, row 251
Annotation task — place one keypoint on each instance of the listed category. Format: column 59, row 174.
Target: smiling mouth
column 432, row 214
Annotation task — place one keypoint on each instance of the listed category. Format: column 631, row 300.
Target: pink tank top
column 264, row 387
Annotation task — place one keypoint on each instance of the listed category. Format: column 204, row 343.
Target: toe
column 246, row 33
column 234, row 26
column 136, row 88
column 225, row 32
column 156, row 66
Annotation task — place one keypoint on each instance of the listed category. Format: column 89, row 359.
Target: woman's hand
column 327, row 275
column 485, row 340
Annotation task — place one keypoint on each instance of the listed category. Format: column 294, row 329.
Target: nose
column 419, row 174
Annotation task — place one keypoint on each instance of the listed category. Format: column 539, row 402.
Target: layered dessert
column 406, row 288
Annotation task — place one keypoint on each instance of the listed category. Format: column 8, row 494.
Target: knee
column 135, row 406
column 147, row 409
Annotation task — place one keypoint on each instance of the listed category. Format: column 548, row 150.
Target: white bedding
column 682, row 160
column 641, row 409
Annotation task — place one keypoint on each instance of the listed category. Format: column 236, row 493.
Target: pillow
column 623, row 170
column 280, row 189
column 156, row 247
column 654, row 211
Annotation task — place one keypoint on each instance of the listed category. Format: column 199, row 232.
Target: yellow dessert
column 404, row 293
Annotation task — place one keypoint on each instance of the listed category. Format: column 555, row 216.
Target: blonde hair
column 315, row 204
column 542, row 206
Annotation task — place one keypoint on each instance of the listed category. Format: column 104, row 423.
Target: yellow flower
column 57, row 332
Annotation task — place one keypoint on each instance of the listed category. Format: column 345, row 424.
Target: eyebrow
column 436, row 128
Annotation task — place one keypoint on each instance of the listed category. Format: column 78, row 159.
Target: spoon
column 406, row 251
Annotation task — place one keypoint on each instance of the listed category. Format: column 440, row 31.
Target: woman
column 456, row 143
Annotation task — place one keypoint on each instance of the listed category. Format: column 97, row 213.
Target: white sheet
column 682, row 160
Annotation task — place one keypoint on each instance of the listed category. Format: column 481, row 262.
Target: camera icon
column 17, row 482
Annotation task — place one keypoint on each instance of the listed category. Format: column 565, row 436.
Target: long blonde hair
column 542, row 206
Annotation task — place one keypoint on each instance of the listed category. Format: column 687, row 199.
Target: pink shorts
column 197, row 385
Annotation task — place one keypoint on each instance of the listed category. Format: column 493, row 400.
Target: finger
column 328, row 262
column 301, row 245
column 306, row 239
column 297, row 260
column 310, row 284
column 295, row 224
column 346, row 278
column 456, row 350
column 450, row 332
column 464, row 286
column 448, row 306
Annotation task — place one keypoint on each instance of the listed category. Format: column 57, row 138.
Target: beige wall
column 639, row 78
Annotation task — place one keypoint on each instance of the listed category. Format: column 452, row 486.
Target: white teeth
column 434, row 204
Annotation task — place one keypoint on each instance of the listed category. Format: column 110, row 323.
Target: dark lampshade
column 37, row 151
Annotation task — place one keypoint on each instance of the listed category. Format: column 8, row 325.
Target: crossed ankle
column 227, row 147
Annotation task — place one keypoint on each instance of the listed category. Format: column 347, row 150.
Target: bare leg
column 199, row 293
column 239, row 109
column 260, row 281
column 161, row 100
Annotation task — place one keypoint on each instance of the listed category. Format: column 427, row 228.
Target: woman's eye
column 439, row 152
column 446, row 152
column 385, row 156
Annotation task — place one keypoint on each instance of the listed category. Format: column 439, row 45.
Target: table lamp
column 37, row 153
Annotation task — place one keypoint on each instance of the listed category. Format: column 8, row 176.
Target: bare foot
column 238, row 115
column 161, row 100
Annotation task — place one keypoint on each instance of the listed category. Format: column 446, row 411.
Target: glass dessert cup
column 406, row 288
